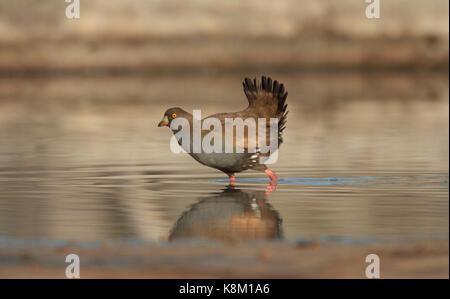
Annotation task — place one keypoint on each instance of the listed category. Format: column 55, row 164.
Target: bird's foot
column 273, row 177
column 272, row 186
column 232, row 180
column 273, row 181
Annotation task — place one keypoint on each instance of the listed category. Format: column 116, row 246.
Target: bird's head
column 171, row 114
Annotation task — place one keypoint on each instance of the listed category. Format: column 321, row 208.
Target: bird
column 266, row 99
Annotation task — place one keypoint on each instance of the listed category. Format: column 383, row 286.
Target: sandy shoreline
column 422, row 259
column 167, row 36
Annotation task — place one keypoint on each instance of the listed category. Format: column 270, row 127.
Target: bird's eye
column 174, row 115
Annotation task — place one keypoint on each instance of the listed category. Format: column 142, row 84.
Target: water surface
column 365, row 157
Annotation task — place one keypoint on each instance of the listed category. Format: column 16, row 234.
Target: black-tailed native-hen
column 266, row 100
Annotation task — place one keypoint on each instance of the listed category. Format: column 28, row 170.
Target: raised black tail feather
column 252, row 88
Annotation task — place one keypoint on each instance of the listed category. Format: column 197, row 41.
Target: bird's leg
column 232, row 179
column 273, row 181
column 273, row 177
column 272, row 186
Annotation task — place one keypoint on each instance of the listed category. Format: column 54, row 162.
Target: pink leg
column 232, row 180
column 273, row 177
column 273, row 181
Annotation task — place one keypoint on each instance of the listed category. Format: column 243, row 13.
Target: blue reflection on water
column 362, row 180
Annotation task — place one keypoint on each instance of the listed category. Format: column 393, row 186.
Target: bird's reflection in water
column 231, row 216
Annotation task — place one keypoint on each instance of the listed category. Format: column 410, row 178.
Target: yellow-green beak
column 164, row 122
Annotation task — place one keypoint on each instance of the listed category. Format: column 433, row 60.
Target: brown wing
column 267, row 99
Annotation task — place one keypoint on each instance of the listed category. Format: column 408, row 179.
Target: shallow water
column 365, row 157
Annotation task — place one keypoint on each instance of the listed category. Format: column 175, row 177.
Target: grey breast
column 227, row 161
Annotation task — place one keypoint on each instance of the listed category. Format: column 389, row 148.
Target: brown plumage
column 266, row 99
